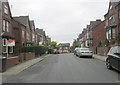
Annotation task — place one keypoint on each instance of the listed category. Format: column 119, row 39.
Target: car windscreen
column 84, row 49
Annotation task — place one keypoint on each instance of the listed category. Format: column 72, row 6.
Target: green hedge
column 38, row 50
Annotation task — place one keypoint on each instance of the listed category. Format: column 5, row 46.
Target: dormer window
column 5, row 9
column 111, row 7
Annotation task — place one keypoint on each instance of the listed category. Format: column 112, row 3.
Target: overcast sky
column 62, row 20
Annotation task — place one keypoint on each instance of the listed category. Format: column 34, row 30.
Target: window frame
column 11, row 51
column 5, row 25
column 4, row 39
column 6, row 9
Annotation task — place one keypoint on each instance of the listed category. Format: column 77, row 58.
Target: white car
column 84, row 52
column 75, row 51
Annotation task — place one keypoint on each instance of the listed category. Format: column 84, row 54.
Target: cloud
column 63, row 20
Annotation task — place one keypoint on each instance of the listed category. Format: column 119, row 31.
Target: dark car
column 113, row 58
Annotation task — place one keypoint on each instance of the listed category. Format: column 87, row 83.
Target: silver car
column 84, row 52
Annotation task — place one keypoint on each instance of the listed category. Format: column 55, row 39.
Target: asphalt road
column 65, row 68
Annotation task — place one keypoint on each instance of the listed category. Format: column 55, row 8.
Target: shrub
column 38, row 50
column 50, row 51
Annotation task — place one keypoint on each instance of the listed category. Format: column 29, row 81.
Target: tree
column 57, row 47
column 52, row 44
column 74, row 45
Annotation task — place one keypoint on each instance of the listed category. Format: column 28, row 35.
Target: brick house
column 89, row 32
column 33, row 37
column 19, row 31
column 26, row 22
column 64, row 47
column 6, row 28
column 41, row 37
column 85, row 39
column 99, row 37
column 112, row 20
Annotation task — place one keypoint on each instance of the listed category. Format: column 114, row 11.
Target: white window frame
column 6, row 11
column 4, row 39
column 5, row 25
column 11, row 48
column 23, row 34
column 112, row 19
column 33, row 37
column 6, row 49
column 113, row 33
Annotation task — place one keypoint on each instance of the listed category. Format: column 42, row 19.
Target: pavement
column 21, row 67
column 103, row 58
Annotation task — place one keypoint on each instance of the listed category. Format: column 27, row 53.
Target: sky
column 63, row 20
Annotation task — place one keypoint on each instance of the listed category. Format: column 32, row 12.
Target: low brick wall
column 12, row 61
column 21, row 57
column 102, row 50
column 29, row 56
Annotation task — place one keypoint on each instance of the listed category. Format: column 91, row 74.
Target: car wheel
column 108, row 64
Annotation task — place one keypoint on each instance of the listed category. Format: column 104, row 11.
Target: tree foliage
column 74, row 45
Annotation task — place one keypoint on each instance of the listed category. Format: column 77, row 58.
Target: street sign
column 10, row 42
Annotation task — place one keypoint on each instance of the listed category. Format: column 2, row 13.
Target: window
column 28, row 36
column 36, row 38
column 113, row 33
column 4, row 45
column 4, row 42
column 109, row 34
column 111, row 7
column 4, row 49
column 33, row 37
column 23, row 34
column 5, row 9
column 112, row 20
column 5, row 25
column 10, row 49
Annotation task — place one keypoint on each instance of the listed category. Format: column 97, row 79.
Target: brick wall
column 29, row 56
column 21, row 57
column 12, row 61
column 102, row 50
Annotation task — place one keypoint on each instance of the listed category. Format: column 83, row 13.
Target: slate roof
column 23, row 20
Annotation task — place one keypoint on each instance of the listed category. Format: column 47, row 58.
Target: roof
column 114, row 3
column 23, row 20
column 64, row 44
column 32, row 24
column 40, row 32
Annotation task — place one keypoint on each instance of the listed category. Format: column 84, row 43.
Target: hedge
column 38, row 50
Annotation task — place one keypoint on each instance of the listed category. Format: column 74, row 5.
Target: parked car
column 84, row 52
column 113, row 58
column 75, row 51
column 56, row 51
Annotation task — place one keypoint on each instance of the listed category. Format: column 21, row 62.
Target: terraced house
column 15, row 33
column 100, row 36
column 112, row 19
column 6, row 29
column 26, row 22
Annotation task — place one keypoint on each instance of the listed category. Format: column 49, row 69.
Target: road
column 65, row 68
